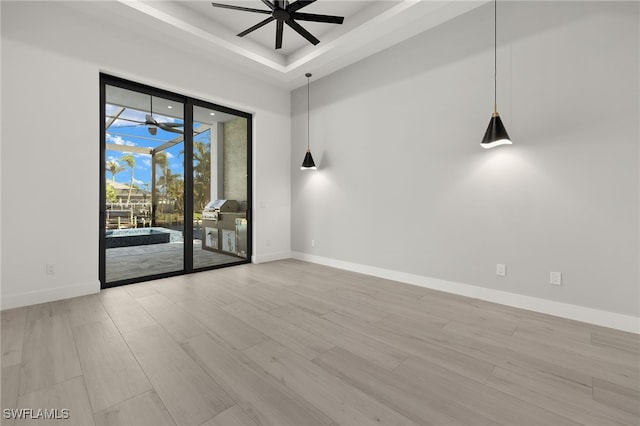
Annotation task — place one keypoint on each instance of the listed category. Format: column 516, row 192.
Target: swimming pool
column 140, row 237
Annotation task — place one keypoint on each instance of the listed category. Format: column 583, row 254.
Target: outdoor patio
column 137, row 261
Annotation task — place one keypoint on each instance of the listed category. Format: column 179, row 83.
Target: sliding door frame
column 188, row 105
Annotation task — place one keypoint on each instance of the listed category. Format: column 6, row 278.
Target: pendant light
column 496, row 134
column 307, row 163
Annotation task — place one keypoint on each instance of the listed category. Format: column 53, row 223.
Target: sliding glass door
column 174, row 184
column 220, row 186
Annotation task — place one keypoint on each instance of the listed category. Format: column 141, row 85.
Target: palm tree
column 114, row 168
column 201, row 174
column 201, row 171
column 172, row 186
column 161, row 163
column 128, row 158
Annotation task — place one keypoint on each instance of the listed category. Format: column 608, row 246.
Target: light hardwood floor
column 293, row 343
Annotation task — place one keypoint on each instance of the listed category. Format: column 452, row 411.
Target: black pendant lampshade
column 496, row 134
column 308, row 163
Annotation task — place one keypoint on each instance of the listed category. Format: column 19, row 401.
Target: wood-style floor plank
column 45, row 310
column 621, row 369
column 233, row 416
column 49, row 354
column 468, row 396
column 10, row 388
column 175, row 320
column 421, row 407
column 70, row 395
column 227, row 327
column 13, row 322
column 85, row 309
column 556, row 394
column 143, row 410
column 260, row 395
column 296, row 339
column 111, row 372
column 342, row 402
column 617, row 396
column 141, row 290
column 422, row 340
column 190, row 395
column 379, row 353
column 124, row 311
column 618, row 340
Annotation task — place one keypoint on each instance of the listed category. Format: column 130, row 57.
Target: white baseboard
column 564, row 310
column 48, row 295
column 270, row 257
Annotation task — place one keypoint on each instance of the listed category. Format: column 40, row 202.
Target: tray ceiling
column 369, row 27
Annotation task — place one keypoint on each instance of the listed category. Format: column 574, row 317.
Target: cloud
column 119, row 140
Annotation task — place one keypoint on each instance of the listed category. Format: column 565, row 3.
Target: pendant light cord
column 308, row 75
column 495, row 56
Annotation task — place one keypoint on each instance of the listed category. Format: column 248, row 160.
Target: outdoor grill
column 224, row 228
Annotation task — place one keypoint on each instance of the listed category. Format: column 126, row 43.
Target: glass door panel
column 220, row 187
column 144, row 173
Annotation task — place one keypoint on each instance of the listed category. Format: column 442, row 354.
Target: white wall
column 405, row 191
column 52, row 55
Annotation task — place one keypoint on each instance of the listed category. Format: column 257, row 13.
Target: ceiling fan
column 152, row 124
column 284, row 12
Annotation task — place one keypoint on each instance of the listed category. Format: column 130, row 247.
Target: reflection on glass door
column 220, row 204
column 144, row 167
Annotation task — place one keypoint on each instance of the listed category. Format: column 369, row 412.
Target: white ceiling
column 369, row 27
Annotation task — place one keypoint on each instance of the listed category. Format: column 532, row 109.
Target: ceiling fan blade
column 269, row 4
column 245, row 9
column 167, row 128
column 125, row 119
column 304, row 33
column 256, row 26
column 171, row 124
column 299, row 5
column 128, row 125
column 279, row 30
column 330, row 19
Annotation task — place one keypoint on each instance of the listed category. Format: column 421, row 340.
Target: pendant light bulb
column 308, row 163
column 496, row 133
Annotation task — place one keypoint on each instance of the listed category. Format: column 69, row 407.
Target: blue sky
column 128, row 133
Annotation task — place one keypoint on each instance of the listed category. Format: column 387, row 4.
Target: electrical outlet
column 555, row 278
column 50, row 269
column 501, row 269
column 313, row 243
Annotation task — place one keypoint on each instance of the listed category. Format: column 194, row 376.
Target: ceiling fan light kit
column 283, row 13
